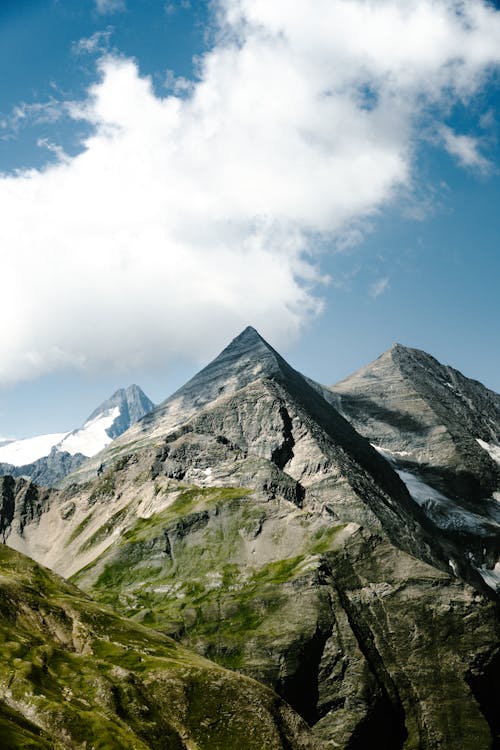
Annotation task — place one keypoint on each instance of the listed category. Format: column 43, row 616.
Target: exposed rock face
column 132, row 404
column 428, row 414
column 441, row 432
column 74, row 675
column 248, row 519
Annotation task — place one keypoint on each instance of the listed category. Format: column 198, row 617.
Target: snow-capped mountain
column 110, row 419
column 47, row 458
column 20, row 452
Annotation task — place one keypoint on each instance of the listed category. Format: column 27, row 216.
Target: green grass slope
column 75, row 675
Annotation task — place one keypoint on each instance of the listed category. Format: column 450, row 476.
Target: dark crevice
column 300, row 688
column 284, row 453
column 384, row 726
column 484, row 681
column 7, row 497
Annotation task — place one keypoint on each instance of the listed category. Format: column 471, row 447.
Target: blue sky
column 173, row 172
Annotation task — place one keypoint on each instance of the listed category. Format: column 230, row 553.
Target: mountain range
column 338, row 545
column 48, row 458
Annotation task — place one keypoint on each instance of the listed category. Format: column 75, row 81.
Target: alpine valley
column 259, row 562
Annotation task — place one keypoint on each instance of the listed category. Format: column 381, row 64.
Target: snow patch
column 21, row 452
column 490, row 448
column 419, row 490
column 454, row 568
column 92, row 437
column 386, row 453
column 445, row 513
column 491, row 576
column 89, row 440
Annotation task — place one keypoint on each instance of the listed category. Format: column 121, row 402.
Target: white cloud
column 186, row 217
column 172, row 8
column 379, row 287
column 96, row 42
column 110, row 6
column 465, row 149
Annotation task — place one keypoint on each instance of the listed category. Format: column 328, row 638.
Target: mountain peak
column 132, row 403
column 249, row 332
column 250, row 346
column 247, row 357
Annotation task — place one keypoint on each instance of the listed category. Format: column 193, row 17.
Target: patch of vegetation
column 105, row 530
column 79, row 529
column 324, row 539
column 189, row 500
column 113, row 450
column 279, row 571
column 92, row 679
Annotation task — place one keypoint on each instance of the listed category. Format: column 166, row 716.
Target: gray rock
column 427, row 420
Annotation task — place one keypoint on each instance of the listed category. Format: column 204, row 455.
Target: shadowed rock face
column 441, row 432
column 46, row 471
column 248, row 519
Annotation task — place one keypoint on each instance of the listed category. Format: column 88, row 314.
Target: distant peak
column 131, row 400
column 249, row 344
column 249, row 333
column 397, row 347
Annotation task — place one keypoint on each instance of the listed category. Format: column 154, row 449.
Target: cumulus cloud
column 188, row 216
column 465, row 149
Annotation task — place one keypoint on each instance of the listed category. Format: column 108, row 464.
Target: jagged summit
column 48, row 458
column 132, row 404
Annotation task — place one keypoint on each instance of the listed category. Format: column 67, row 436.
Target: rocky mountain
column 441, row 432
column 246, row 517
column 74, row 675
column 46, row 459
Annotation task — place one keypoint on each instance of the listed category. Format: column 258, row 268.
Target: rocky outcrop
column 23, row 504
column 46, row 471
